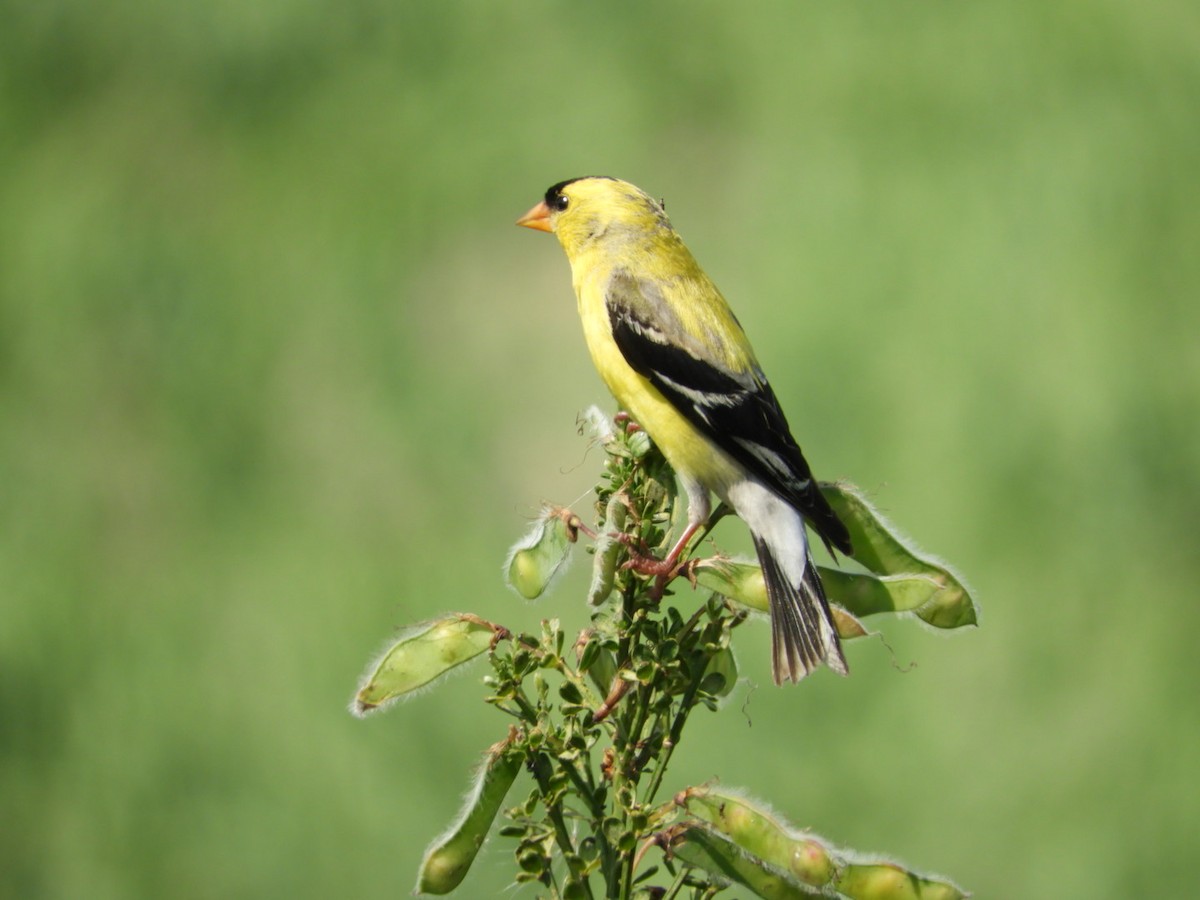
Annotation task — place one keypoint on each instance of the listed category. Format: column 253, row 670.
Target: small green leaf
column 570, row 692
column 423, row 654
column 639, row 444
column 535, row 560
column 601, row 666
column 722, row 673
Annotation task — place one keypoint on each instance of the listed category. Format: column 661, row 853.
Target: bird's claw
column 649, row 565
column 663, row 571
column 688, row 570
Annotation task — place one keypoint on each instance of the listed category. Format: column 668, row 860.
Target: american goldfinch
column 673, row 354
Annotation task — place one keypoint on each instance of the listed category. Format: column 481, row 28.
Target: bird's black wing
column 738, row 412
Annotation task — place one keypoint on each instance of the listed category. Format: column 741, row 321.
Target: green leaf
column 598, row 662
column 911, row 579
column 423, row 654
column 722, row 673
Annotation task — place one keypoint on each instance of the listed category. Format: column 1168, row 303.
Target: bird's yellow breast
column 689, row 452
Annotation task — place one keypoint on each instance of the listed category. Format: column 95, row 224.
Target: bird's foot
column 650, row 565
column 663, row 571
column 687, row 569
column 640, row 560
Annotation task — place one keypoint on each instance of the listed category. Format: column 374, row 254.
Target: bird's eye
column 558, row 202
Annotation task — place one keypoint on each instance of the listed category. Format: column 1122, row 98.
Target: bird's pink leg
column 663, row 570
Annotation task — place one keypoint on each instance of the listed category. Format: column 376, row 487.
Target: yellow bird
column 675, row 357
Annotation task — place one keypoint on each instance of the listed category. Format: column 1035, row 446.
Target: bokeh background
column 277, row 376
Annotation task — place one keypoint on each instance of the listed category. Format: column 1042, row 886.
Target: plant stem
column 562, row 835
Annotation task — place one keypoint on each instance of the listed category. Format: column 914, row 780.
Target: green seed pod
column 535, row 560
column 450, row 856
column 607, row 552
column 881, row 549
column 865, row 594
column 811, row 862
column 847, row 626
column 763, row 835
column 742, row 582
column 889, row 881
column 755, row 829
column 706, row 848
column 423, row 654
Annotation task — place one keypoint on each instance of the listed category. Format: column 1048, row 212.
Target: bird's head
column 585, row 212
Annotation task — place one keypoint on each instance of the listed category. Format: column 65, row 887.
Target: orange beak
column 537, row 218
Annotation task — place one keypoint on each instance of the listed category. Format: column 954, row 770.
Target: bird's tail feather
column 803, row 634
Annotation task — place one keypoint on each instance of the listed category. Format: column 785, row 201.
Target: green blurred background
column 278, row 375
